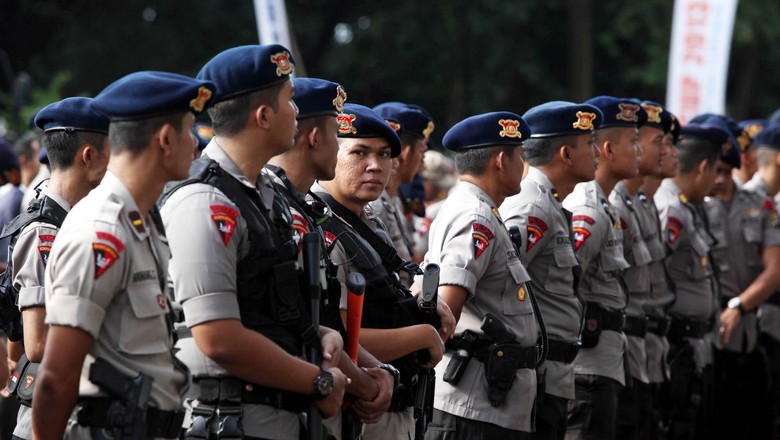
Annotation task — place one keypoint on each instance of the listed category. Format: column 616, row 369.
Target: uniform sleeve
column 83, row 275
column 535, row 233
column 672, row 224
column 589, row 233
column 771, row 224
column 205, row 232
column 339, row 258
column 30, row 256
column 465, row 250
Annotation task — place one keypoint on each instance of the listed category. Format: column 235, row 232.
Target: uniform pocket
column 699, row 264
column 144, row 329
column 515, row 299
column 751, row 232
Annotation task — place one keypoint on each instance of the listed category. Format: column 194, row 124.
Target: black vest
column 42, row 209
column 268, row 283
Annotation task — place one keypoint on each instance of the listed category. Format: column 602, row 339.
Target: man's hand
column 331, row 405
column 332, row 347
column 447, row 320
column 371, row 411
column 434, row 345
column 729, row 320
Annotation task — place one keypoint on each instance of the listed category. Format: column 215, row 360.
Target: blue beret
column 561, row 118
column 674, row 127
column 732, row 155
column 413, row 119
column 414, row 190
column 769, row 137
column 358, row 121
column 750, row 129
column 318, row 97
column 43, row 156
column 71, row 114
column 657, row 116
column 618, row 112
column 8, row 159
column 716, row 132
column 203, row 133
column 487, row 130
column 245, row 69
column 147, row 94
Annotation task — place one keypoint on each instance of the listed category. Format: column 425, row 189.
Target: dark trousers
column 593, row 412
column 772, row 349
column 687, row 398
column 445, row 426
column 635, row 413
column 551, row 413
column 9, row 408
column 742, row 405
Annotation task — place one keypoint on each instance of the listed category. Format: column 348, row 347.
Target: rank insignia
column 744, row 141
column 283, row 64
column 340, row 99
column 345, row 123
column 753, row 129
column 627, row 112
column 428, row 130
column 582, row 218
column 44, row 247
column 330, row 238
column 521, row 293
column 481, row 236
column 754, row 212
column 204, row 94
column 162, row 302
column 534, row 235
column 683, row 198
column 584, row 121
column 137, row 221
column 673, row 228
column 622, row 224
column 509, row 128
column 653, row 113
column 394, row 125
column 224, row 218
column 105, row 257
column 580, row 235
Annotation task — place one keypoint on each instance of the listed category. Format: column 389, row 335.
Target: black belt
column 220, row 389
column 774, row 299
column 479, row 350
column 94, row 412
column 659, row 326
column 559, row 351
column 688, row 328
column 635, row 326
column 613, row 320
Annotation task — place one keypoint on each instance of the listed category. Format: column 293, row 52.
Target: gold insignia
column 627, row 112
column 496, row 213
column 653, row 113
column 703, row 261
column 283, row 64
column 510, row 128
column 521, row 293
column 340, row 99
column 199, row 102
column 205, row 132
column 744, row 141
column 345, row 124
column 683, row 198
column 584, row 121
column 394, row 125
column 753, row 129
column 428, row 130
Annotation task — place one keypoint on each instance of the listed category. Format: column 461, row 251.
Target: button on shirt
column 548, row 255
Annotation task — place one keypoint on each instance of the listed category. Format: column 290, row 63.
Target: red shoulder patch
column 673, row 228
column 580, row 235
column 534, row 234
column 539, row 223
column 330, row 238
column 105, row 257
column 224, row 218
column 44, row 247
column 769, row 205
column 300, row 224
column 623, row 224
column 481, row 236
column 117, row 243
column 583, row 218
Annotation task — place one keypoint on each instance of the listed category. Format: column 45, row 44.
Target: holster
column 23, row 380
column 591, row 332
column 501, row 364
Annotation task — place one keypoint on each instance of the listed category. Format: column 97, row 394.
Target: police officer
column 106, row 292
column 438, row 178
column 560, row 156
column 416, row 126
column 690, row 270
column 489, row 396
column 600, row 370
column 234, row 263
column 750, row 130
column 313, row 157
column 77, row 138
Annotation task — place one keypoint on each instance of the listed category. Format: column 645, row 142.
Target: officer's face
column 325, row 153
column 722, row 178
column 672, row 160
column 412, row 160
column 584, row 156
column 625, row 151
column 514, row 168
column 363, row 169
column 184, row 147
column 651, row 141
column 705, row 182
column 285, row 123
column 98, row 163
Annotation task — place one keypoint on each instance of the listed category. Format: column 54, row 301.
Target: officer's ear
column 164, row 136
column 565, row 154
column 314, row 136
column 261, row 116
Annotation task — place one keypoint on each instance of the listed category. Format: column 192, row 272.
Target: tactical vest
column 42, row 209
column 268, row 283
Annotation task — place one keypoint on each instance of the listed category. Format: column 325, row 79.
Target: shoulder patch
column 300, row 224
column 330, row 238
column 673, row 228
column 44, row 247
column 534, row 234
column 105, row 257
column 481, row 236
column 583, row 218
column 224, row 218
column 117, row 243
column 580, row 236
column 539, row 223
column 623, row 224
column 769, row 205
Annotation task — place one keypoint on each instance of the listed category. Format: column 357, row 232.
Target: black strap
column 635, row 326
column 386, row 252
column 688, row 328
column 613, row 320
column 218, row 390
column 94, row 412
column 560, row 351
column 480, row 347
column 659, row 325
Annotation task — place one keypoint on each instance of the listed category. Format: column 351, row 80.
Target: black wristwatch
column 393, row 371
column 736, row 303
column 323, row 385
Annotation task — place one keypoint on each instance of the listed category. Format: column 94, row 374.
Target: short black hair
column 133, row 136
column 306, row 124
column 62, row 145
column 23, row 147
column 540, row 151
column 228, row 117
column 474, row 161
column 693, row 150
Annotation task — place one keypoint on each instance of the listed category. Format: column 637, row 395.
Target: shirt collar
column 130, row 212
column 58, row 199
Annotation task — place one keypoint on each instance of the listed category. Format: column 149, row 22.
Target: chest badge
column 521, row 293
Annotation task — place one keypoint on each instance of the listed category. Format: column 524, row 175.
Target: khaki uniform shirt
column 30, row 255
column 598, row 242
column 470, row 243
column 389, row 210
column 637, row 275
column 423, row 225
column 106, row 276
column 208, row 236
column 547, row 253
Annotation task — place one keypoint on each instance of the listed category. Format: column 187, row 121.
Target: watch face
column 324, row 384
column 734, row 302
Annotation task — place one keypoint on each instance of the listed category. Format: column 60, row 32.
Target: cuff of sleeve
column 32, row 297
column 459, row 277
column 77, row 312
column 211, row 307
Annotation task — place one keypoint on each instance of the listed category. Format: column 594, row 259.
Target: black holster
column 501, row 366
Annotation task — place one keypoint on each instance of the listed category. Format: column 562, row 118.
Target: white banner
column 699, row 57
column 271, row 18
